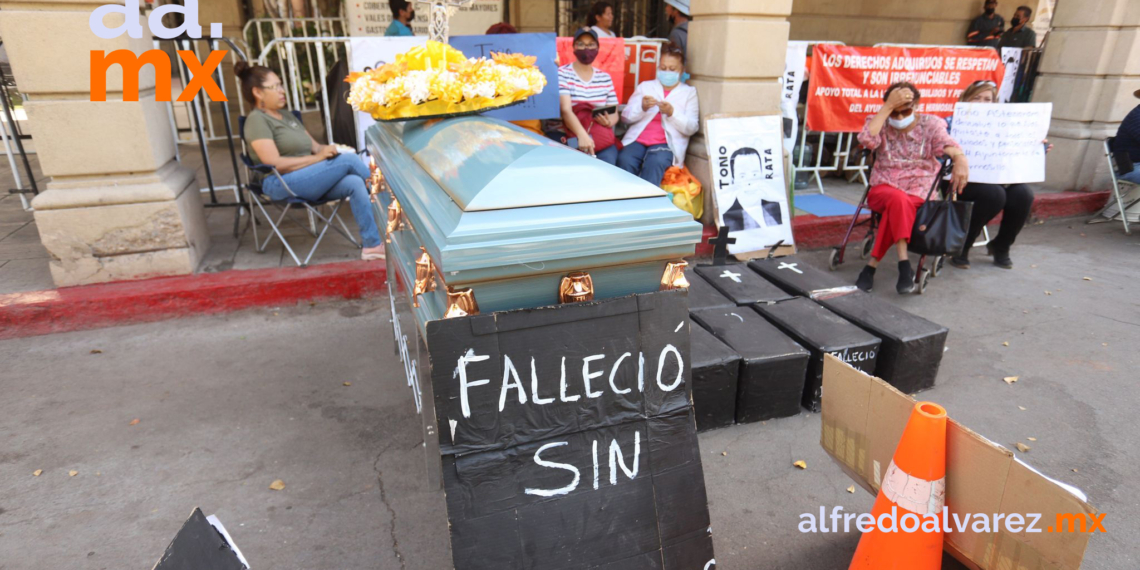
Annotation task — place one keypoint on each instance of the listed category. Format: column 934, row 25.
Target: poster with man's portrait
column 747, row 163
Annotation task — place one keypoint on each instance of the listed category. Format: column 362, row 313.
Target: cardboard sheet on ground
column 1003, row 143
column 748, row 180
column 863, row 419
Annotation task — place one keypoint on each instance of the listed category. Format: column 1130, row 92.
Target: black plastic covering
column 199, row 545
column 716, row 371
column 741, row 284
column 773, row 366
column 799, row 278
column 822, row 332
column 912, row 346
column 603, row 470
column 702, row 295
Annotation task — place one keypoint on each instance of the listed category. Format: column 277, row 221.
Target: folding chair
column 1119, row 164
column 256, row 196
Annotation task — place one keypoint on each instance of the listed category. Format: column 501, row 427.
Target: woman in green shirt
column 313, row 171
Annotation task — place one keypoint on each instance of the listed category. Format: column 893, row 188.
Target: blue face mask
column 668, row 78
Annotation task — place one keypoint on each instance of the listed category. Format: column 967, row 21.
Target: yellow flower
column 514, row 59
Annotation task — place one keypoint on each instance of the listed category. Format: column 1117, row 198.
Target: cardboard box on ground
column 863, row 420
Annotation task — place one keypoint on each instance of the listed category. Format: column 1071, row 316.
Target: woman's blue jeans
column 648, row 162
column 334, row 179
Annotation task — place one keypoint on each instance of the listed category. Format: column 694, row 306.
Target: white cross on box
column 730, row 275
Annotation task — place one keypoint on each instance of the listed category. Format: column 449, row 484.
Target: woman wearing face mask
column 1014, row 201
column 907, row 146
column 582, row 91
column 662, row 114
column 313, row 171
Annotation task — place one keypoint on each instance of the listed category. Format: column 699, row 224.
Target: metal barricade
column 841, row 158
column 262, row 34
column 280, row 54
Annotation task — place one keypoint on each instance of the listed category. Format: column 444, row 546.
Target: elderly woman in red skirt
column 907, row 146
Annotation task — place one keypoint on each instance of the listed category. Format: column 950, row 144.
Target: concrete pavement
column 227, row 404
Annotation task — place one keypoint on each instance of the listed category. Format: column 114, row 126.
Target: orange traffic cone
column 915, row 483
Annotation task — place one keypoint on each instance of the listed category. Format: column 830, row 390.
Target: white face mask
column 901, row 124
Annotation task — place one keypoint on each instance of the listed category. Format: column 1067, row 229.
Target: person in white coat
column 662, row 114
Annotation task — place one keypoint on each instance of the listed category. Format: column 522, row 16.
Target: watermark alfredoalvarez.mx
column 946, row 522
column 201, row 72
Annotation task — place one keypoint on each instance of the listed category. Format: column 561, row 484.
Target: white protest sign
column 372, row 18
column 748, row 180
column 370, row 53
column 793, row 80
column 1011, row 57
column 1003, row 143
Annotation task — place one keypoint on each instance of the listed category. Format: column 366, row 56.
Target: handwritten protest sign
column 847, row 83
column 1003, row 142
column 541, row 106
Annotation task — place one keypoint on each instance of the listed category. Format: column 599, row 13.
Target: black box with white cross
column 739, row 283
column 799, row 278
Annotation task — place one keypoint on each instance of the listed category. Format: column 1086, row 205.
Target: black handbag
column 940, row 226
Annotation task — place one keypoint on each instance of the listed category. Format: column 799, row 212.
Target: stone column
column 1089, row 71
column 736, row 55
column 118, row 205
column 532, row 15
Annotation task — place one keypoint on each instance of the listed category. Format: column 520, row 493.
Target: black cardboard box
column 912, row 346
column 716, row 372
column 741, row 284
column 773, row 366
column 822, row 332
column 702, row 295
column 799, row 278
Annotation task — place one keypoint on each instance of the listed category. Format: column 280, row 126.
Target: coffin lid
column 482, row 163
column 488, row 201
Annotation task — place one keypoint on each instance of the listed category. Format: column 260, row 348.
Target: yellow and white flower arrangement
column 437, row 79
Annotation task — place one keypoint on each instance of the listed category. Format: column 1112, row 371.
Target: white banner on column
column 747, row 159
column 372, row 18
column 793, row 80
column 1011, row 57
column 1003, row 143
column 370, row 53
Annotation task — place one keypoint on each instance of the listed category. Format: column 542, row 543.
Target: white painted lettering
column 509, row 372
column 587, row 375
column 613, row 372
column 534, row 386
column 618, row 460
column 464, row 384
column 562, row 386
column 543, row 463
column 661, row 367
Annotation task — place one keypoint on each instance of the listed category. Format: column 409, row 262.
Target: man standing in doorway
column 1019, row 33
column 986, row 29
column 402, row 16
column 677, row 11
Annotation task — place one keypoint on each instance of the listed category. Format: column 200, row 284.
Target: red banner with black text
column 847, row 83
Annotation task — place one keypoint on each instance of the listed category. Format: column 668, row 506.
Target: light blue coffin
column 509, row 213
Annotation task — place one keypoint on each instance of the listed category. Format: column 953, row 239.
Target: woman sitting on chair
column 662, row 113
column 907, row 146
column 1012, row 201
column 313, row 171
